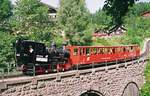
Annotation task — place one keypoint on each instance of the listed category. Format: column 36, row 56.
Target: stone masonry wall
column 109, row 82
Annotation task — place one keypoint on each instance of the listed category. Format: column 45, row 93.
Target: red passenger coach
column 86, row 55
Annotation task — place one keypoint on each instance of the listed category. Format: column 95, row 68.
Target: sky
column 92, row 5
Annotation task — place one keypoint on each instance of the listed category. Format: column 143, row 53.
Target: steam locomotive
column 36, row 57
column 30, row 54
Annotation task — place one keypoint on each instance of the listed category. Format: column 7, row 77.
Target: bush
column 145, row 91
column 137, row 10
column 7, row 57
column 138, row 29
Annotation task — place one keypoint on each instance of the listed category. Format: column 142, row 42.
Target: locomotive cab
column 29, row 53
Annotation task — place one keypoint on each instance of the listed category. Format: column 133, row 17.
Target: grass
column 145, row 91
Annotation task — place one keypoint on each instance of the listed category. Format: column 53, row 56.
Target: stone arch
column 131, row 89
column 91, row 93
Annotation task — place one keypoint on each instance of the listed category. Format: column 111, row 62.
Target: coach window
column 101, row 50
column 75, row 51
column 105, row 51
column 91, row 51
column 110, row 50
column 113, row 50
column 131, row 47
column 117, row 49
column 84, row 51
column 87, row 51
column 94, row 50
column 127, row 49
column 81, row 51
column 124, row 49
column 120, row 49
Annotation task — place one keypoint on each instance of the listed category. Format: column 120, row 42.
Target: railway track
column 22, row 77
column 75, row 73
column 12, row 75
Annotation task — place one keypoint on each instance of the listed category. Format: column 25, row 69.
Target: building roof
column 146, row 14
column 52, row 9
column 50, row 6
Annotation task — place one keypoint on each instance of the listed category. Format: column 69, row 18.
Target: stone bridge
column 124, row 79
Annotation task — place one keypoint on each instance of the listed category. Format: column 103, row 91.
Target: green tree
column 73, row 20
column 5, row 13
column 117, row 9
column 139, row 8
column 101, row 18
column 31, row 20
column 138, row 29
column 7, row 51
column 145, row 91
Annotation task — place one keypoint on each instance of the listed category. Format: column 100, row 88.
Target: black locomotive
column 34, row 56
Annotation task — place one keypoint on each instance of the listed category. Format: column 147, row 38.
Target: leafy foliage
column 5, row 13
column 117, row 9
column 7, row 51
column 137, row 10
column 73, row 19
column 138, row 29
column 31, row 20
column 146, row 88
column 101, row 18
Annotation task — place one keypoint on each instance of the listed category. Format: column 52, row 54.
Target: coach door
column 75, row 55
column 82, row 55
column 87, row 55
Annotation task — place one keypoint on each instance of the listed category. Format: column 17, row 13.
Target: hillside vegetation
column 145, row 91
